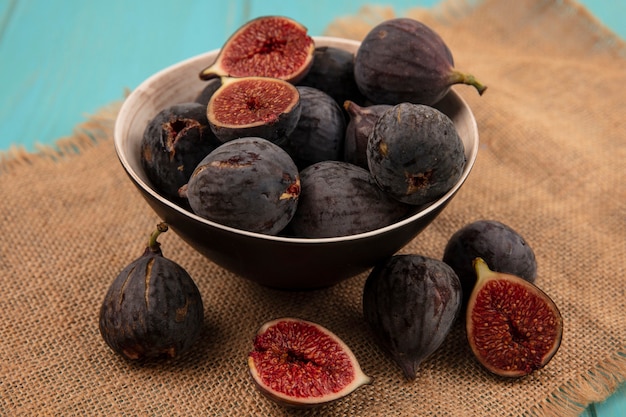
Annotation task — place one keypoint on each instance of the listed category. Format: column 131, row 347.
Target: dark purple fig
column 249, row 184
column 268, row 108
column 403, row 60
column 340, row 199
column 358, row 129
column 298, row 363
column 415, row 153
column 153, row 308
column 319, row 134
column 173, row 143
column 206, row 93
column 502, row 248
column 513, row 327
column 410, row 302
column 333, row 73
column 268, row 46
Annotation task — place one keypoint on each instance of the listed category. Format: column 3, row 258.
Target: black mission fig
column 254, row 106
column 153, row 308
column 319, row 133
column 415, row 153
column 513, row 328
column 301, row 364
column 250, row 184
column 333, row 73
column 340, row 199
column 361, row 121
column 410, row 302
column 403, row 60
column 501, row 247
column 173, row 143
column 267, row 46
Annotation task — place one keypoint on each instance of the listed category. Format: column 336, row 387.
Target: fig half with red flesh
column 513, row 327
column 263, row 107
column 298, row 363
column 268, row 46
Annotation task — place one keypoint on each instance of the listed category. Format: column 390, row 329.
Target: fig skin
column 410, row 302
column 153, row 308
column 513, row 327
column 207, row 92
column 360, row 124
column 332, row 72
column 173, row 143
column 403, row 60
column 341, row 199
column 288, row 350
column 502, row 248
column 415, row 153
column 319, row 133
column 249, row 183
column 268, row 108
column 267, row 46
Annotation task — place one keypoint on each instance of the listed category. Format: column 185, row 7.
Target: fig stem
column 153, row 245
column 482, row 269
column 458, row 77
column 208, row 73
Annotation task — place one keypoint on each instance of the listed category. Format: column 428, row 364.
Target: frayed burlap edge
column 576, row 395
column 97, row 128
column 571, row 399
column 596, row 385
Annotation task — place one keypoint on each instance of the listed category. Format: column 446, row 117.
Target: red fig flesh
column 513, row 327
column 302, row 364
column 268, row 46
column 254, row 106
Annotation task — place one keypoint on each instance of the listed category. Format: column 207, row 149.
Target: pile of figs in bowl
column 302, row 179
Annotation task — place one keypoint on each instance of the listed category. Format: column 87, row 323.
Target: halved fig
column 263, row 107
column 268, row 46
column 302, row 364
column 513, row 327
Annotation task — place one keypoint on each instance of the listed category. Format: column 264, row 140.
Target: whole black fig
column 341, row 199
column 333, row 73
column 320, row 130
column 403, row 60
column 411, row 302
column 415, row 153
column 248, row 183
column 153, row 308
column 174, row 141
column 502, row 248
column 361, row 121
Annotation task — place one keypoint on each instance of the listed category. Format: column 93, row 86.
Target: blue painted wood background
column 61, row 61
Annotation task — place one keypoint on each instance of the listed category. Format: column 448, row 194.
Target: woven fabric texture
column 550, row 165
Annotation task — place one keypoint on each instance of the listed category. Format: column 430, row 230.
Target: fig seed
column 513, row 327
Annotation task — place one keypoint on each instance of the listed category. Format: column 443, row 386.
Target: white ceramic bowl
column 280, row 262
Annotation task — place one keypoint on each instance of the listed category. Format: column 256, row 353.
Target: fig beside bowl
column 273, row 261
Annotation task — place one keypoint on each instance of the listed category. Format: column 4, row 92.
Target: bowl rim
column 129, row 102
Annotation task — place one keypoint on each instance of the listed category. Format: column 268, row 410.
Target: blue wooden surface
column 61, row 61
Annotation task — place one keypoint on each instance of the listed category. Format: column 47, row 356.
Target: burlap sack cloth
column 551, row 165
